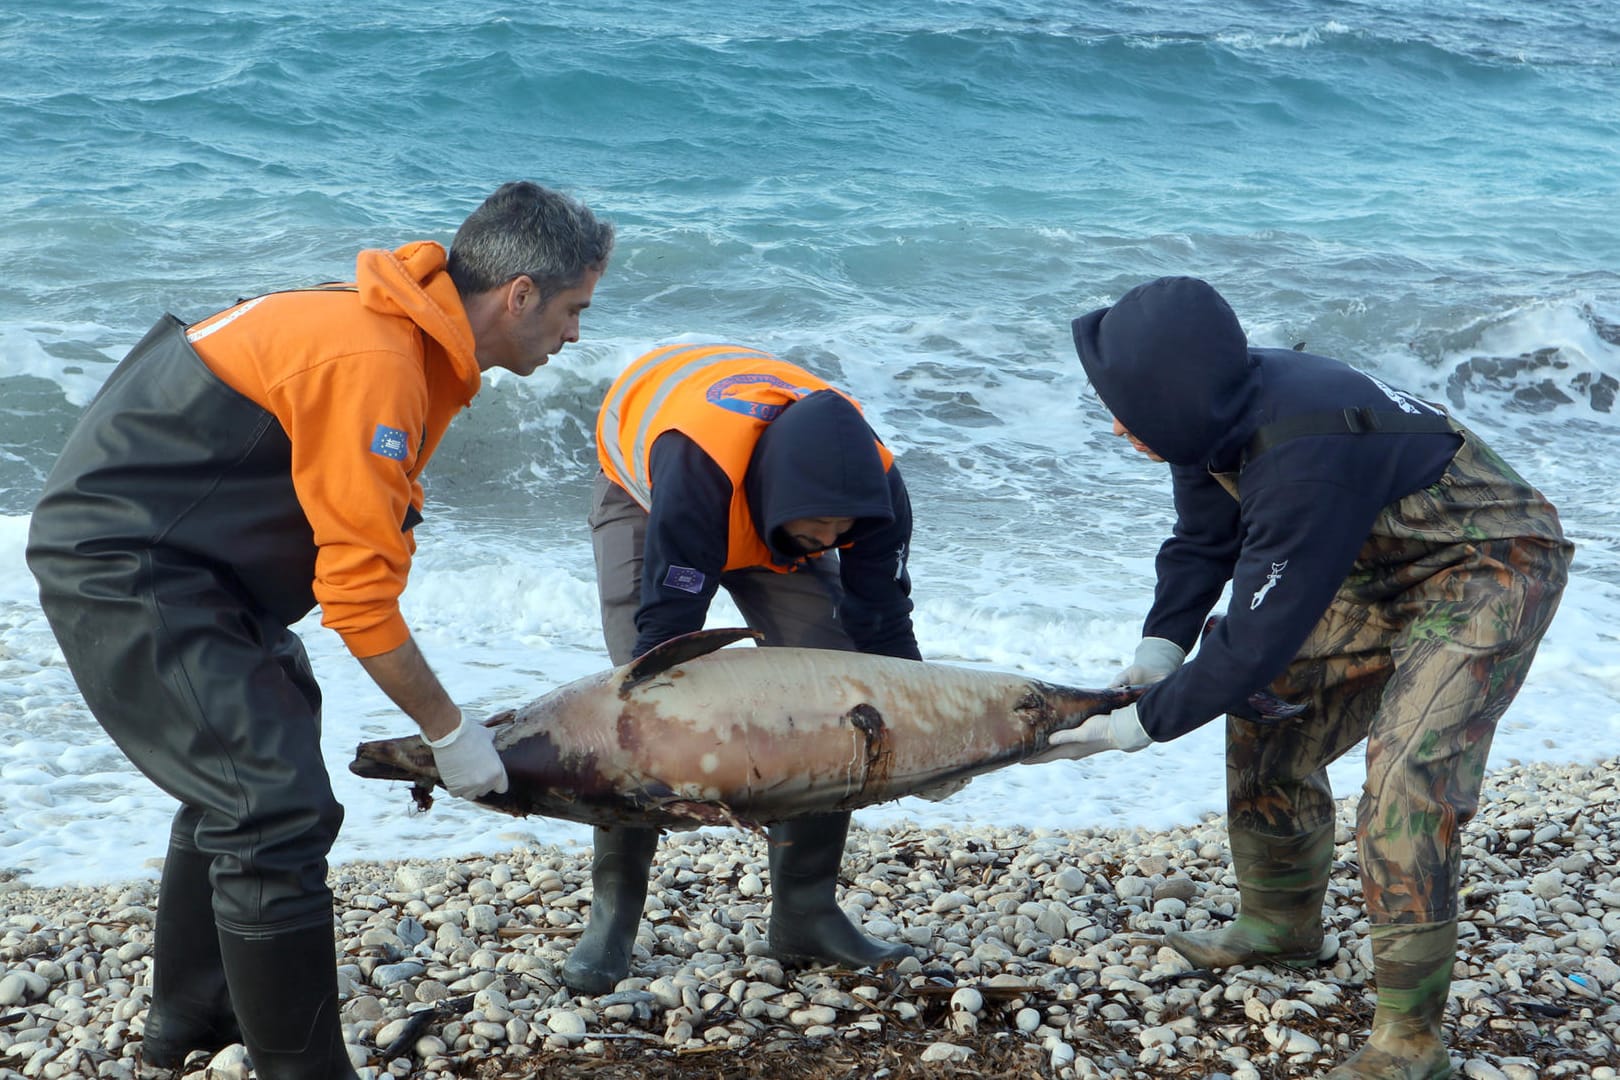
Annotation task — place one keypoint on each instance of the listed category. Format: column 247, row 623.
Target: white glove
column 1118, row 730
column 1156, row 658
column 467, row 761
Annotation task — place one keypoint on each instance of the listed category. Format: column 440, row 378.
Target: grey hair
column 526, row 229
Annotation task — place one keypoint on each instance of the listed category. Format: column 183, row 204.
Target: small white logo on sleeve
column 1272, row 578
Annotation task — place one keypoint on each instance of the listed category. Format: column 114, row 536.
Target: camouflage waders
column 1420, row 653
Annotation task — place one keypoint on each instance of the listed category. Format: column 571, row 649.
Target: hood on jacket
column 817, row 459
column 1172, row 364
column 414, row 281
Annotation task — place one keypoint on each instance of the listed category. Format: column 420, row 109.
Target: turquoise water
column 911, row 198
column 934, row 181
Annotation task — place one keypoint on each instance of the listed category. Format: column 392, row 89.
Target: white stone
column 1286, row 1040
column 813, row 1015
column 1070, row 880
column 386, row 975
column 483, row 919
column 666, row 991
column 944, row 1051
column 1062, row 1054
column 566, row 1022
column 1156, row 1036
column 22, row 986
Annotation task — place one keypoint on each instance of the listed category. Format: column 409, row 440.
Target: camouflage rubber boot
column 1281, row 884
column 619, row 867
column 1413, row 967
column 807, row 925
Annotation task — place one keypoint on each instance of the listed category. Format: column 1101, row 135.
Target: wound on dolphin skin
column 869, row 722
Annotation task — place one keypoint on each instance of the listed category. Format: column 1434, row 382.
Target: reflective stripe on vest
column 624, row 426
column 719, row 396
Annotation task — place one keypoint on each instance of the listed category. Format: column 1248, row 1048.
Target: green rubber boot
column 1282, row 882
column 619, row 867
column 807, row 925
column 1413, row 967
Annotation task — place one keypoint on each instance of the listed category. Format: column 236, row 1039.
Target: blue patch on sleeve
column 390, row 443
column 684, row 578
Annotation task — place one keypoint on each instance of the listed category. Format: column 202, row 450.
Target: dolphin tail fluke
column 1072, row 705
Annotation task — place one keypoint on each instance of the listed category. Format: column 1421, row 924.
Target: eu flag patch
column 684, row 578
column 390, row 443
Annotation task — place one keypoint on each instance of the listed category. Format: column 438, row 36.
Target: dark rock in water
column 1601, row 390
column 1606, row 330
column 1528, row 380
column 1543, row 396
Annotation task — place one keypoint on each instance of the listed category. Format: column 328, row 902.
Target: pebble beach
column 1037, row 955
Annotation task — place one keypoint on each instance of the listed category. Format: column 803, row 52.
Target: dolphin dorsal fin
column 678, row 650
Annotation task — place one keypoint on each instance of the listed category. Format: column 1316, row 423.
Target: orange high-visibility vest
column 719, row 396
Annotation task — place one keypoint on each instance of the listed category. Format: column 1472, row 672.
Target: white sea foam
column 501, row 628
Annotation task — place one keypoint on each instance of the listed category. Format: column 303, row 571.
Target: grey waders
column 1282, row 882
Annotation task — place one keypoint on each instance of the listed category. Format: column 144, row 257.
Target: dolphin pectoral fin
column 1273, row 709
column 678, row 650
column 708, row 813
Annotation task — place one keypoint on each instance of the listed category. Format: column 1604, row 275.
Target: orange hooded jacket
column 364, row 379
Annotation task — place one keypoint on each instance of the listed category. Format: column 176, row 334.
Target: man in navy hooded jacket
column 1389, row 573
column 723, row 466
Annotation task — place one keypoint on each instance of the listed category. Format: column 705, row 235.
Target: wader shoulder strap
column 1353, row 421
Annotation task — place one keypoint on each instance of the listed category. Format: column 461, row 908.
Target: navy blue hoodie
column 816, row 459
column 1173, row 365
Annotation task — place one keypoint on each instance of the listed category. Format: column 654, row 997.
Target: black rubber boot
column 807, row 925
column 1282, row 882
column 619, row 867
column 284, row 986
column 191, row 1005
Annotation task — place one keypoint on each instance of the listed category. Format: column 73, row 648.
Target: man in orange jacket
column 723, row 466
column 229, row 476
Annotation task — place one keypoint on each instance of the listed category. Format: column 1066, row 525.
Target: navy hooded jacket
column 817, row 459
column 1172, row 364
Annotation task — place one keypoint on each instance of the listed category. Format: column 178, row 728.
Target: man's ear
column 520, row 293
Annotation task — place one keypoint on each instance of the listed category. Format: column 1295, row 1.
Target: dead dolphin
column 692, row 733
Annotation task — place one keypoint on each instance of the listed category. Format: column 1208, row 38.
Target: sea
column 912, row 199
